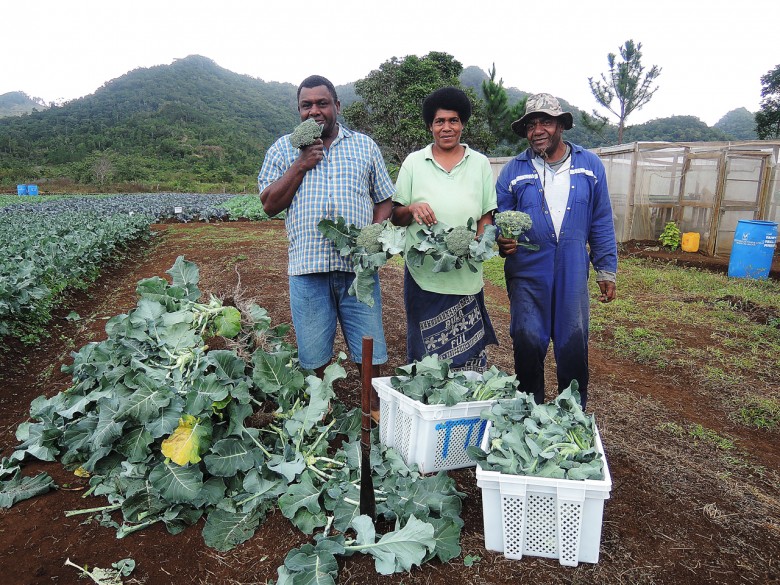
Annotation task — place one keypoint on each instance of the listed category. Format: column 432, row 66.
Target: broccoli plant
column 368, row 248
column 514, row 225
column 305, row 133
column 452, row 247
column 671, row 236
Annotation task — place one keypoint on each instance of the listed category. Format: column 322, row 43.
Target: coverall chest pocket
column 583, row 187
column 530, row 200
column 527, row 196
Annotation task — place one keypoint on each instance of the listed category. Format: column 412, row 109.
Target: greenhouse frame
column 704, row 187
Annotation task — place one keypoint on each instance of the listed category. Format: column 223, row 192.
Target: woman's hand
column 422, row 213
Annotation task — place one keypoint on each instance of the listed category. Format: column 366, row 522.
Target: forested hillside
column 181, row 125
column 194, row 126
column 16, row 103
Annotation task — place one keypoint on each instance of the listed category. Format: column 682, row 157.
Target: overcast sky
column 712, row 53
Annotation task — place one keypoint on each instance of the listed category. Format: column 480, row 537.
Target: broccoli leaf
column 190, row 438
column 231, row 455
column 396, row 551
column 302, row 494
column 175, row 483
column 20, row 488
column 342, row 235
column 312, row 565
column 225, row 530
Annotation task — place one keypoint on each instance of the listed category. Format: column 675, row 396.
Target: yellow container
column 690, row 242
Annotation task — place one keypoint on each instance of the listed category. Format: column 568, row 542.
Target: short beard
column 543, row 154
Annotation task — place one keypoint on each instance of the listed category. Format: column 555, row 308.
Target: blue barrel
column 21, row 189
column 32, row 189
column 753, row 249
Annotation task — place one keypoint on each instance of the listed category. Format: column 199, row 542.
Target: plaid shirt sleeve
column 277, row 161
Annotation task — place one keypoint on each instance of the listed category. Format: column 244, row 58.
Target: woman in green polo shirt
column 446, row 182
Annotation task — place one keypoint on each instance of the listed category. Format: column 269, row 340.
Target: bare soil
column 679, row 511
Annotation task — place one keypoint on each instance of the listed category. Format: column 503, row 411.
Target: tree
column 391, row 107
column 102, row 169
column 627, row 81
column 500, row 114
column 768, row 117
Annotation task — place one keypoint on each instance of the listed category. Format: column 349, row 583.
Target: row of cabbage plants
column 50, row 245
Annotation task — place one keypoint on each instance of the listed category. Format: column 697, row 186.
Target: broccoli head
column 512, row 223
column 367, row 238
column 305, row 133
column 458, row 240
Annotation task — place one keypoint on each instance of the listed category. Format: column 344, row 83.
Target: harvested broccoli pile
column 452, row 247
column 369, row 249
column 432, row 381
column 554, row 440
column 305, row 133
column 514, row 225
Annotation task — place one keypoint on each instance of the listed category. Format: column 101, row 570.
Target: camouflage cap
column 542, row 103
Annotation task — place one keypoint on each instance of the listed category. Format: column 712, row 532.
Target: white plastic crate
column 543, row 517
column 433, row 436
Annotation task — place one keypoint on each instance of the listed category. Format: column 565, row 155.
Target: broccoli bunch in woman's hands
column 458, row 240
column 305, row 133
column 452, row 247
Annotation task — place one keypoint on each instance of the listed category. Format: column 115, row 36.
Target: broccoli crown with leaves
column 512, row 223
column 305, row 133
column 367, row 238
column 458, row 240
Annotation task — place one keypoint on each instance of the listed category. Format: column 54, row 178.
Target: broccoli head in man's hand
column 305, row 133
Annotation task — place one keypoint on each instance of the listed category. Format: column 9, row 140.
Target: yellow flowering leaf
column 187, row 441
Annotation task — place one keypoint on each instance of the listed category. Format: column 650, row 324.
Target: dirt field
column 677, row 513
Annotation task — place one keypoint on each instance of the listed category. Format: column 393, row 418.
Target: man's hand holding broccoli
column 513, row 225
column 306, row 137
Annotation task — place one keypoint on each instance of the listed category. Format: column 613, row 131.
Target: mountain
column 193, row 125
column 739, row 123
column 16, row 103
column 191, row 117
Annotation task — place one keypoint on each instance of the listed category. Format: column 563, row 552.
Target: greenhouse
column 705, row 187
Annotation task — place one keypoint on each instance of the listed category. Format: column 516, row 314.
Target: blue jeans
column 317, row 302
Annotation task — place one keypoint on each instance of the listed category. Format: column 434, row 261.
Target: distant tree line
column 193, row 126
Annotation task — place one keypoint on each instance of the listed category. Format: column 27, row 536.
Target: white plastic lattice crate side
column 453, row 437
column 433, row 436
column 387, row 412
column 590, row 533
column 405, row 427
column 491, row 512
column 553, row 518
column 570, row 503
column 416, row 436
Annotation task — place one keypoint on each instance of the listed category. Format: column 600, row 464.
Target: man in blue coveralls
column 563, row 188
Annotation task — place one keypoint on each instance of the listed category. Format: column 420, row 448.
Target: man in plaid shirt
column 341, row 174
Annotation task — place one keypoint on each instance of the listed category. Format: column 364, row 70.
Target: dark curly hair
column 316, row 81
column 446, row 98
